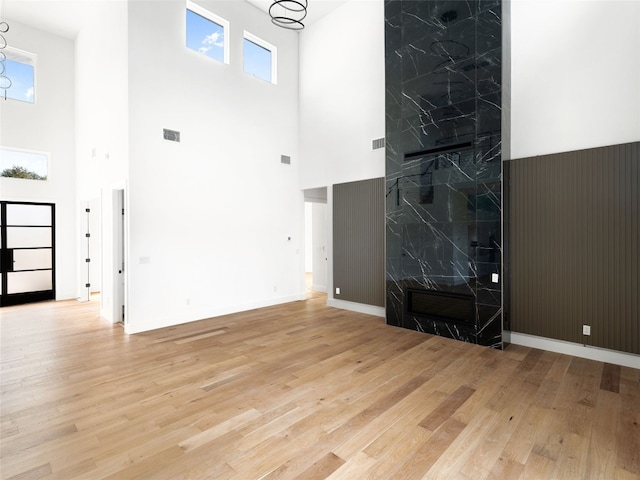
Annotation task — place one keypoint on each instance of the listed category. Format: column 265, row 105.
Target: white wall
column 342, row 95
column 210, row 217
column 342, row 104
column 101, row 128
column 48, row 126
column 575, row 75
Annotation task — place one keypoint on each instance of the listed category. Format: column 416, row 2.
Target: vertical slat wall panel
column 574, row 229
column 358, row 241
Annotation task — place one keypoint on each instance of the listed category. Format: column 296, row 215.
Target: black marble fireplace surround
column 443, row 168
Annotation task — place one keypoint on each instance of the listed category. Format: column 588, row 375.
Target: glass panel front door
column 27, row 252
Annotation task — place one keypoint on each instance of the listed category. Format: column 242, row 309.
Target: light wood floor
column 300, row 391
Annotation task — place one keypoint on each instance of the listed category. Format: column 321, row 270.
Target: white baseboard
column 193, row 316
column 575, row 349
column 357, row 307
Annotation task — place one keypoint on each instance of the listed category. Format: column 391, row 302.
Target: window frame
column 250, row 37
column 26, row 58
column 212, row 17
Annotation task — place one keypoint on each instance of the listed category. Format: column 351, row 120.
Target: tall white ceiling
column 65, row 17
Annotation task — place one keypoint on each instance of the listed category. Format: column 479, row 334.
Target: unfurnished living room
column 320, row 239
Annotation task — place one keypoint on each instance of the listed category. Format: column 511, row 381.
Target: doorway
column 316, row 237
column 27, row 252
column 118, row 225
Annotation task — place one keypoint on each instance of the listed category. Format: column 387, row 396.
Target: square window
column 259, row 58
column 207, row 33
column 18, row 78
column 23, row 164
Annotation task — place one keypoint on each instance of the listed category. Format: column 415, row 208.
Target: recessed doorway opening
column 316, row 239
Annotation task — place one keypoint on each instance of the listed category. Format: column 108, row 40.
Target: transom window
column 260, row 58
column 18, row 79
column 23, row 164
column 207, row 33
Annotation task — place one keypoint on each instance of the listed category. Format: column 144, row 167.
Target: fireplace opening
column 444, row 306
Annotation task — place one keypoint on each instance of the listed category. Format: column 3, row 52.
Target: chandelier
column 5, row 81
column 288, row 13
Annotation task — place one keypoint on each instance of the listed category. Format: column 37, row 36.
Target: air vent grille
column 171, row 135
column 377, row 143
column 286, row 159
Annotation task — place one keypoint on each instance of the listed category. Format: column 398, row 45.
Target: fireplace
column 443, row 306
column 444, row 168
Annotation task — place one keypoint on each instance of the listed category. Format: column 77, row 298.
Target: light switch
column 495, row 278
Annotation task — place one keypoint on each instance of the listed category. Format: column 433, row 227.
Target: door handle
column 6, row 258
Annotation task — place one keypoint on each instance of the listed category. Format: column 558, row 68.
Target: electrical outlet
column 337, row 290
column 586, row 329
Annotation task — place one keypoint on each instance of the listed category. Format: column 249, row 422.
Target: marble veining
column 443, row 161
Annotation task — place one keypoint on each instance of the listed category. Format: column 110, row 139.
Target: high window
column 19, row 69
column 23, row 164
column 207, row 33
column 260, row 59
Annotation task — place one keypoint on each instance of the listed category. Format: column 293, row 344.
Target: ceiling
column 65, row 17
column 316, row 8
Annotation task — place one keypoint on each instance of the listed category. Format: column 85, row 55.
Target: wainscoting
column 574, row 246
column 358, row 241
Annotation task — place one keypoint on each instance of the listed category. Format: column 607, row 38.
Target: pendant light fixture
column 5, row 81
column 288, row 13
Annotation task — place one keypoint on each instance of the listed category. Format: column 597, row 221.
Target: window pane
column 33, row 259
column 21, row 282
column 24, row 214
column 21, row 76
column 16, row 164
column 257, row 60
column 28, row 237
column 205, row 36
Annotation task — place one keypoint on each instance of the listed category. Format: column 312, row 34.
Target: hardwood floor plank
column 610, row 378
column 353, row 468
column 33, row 474
column 572, row 462
column 538, row 467
column 323, row 468
column 447, row 408
column 462, row 447
column 219, row 429
column 531, row 424
column 628, row 432
column 140, row 470
column 428, row 453
column 385, row 412
column 601, row 457
column 299, row 390
column 505, row 469
column 388, row 440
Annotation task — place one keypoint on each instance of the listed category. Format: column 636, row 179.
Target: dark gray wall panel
column 358, row 241
column 574, row 242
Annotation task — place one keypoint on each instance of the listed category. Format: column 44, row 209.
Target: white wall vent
column 377, row 143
